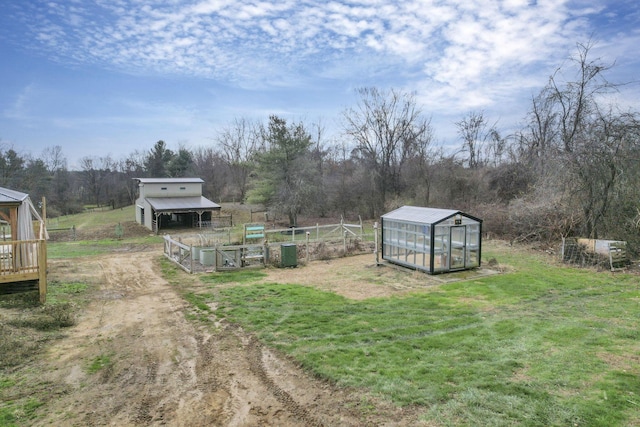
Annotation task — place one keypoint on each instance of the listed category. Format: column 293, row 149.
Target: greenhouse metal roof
column 422, row 215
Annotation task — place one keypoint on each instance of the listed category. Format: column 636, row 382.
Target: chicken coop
column 431, row 240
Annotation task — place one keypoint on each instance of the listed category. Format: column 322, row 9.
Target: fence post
column 191, row 257
column 344, row 242
column 42, row 270
column 375, row 239
column 317, row 231
column 308, row 247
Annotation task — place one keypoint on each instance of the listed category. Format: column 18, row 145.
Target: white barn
column 164, row 202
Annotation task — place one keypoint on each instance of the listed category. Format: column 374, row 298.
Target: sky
column 108, row 77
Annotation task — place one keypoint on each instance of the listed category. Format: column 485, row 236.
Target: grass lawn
column 80, row 248
column 93, row 219
column 543, row 345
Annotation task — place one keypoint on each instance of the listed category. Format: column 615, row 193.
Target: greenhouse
column 431, row 240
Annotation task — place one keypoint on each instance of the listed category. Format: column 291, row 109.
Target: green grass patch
column 46, row 318
column 94, row 219
column 28, row 325
column 544, row 345
column 19, row 412
column 199, row 309
column 236, row 276
column 82, row 248
column 98, row 363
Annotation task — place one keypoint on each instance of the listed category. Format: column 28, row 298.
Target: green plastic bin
column 288, row 255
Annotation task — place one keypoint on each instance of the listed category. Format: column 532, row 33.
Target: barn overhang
column 172, row 205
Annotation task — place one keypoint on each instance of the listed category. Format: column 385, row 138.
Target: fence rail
column 315, row 233
column 214, row 251
column 24, row 260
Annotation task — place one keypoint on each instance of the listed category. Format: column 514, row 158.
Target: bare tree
column 95, row 172
column 129, row 168
column 54, row 159
column 537, row 141
column 478, row 137
column 239, row 142
column 585, row 139
column 575, row 99
column 209, row 165
column 387, row 127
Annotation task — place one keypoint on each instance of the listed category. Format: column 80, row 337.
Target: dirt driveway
column 134, row 359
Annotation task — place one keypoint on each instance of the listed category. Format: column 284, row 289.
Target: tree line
column 572, row 169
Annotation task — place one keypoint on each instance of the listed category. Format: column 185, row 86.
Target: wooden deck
column 24, row 260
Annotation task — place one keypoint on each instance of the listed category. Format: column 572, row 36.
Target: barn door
column 457, row 247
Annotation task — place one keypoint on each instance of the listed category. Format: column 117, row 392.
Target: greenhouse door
column 457, row 247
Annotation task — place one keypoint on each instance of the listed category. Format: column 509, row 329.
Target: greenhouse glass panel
column 431, row 240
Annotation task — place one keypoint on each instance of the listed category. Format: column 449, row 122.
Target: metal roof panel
column 184, row 204
column 170, row 180
column 420, row 214
column 11, row 196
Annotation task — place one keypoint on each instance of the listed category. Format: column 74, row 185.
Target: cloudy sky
column 107, row 77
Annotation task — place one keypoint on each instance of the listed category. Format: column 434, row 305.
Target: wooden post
column 191, row 256
column 344, row 242
column 44, row 217
column 308, row 247
column 42, row 270
column 375, row 239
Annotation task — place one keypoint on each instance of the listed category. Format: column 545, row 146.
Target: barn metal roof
column 11, row 196
column 169, row 180
column 182, row 204
column 421, row 215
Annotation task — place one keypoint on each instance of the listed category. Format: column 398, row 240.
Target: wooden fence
column 195, row 259
column 213, row 252
column 315, row 233
column 179, row 253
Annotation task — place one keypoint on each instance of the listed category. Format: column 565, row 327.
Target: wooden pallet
column 618, row 259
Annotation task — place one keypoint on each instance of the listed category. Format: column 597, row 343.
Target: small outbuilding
column 164, row 202
column 431, row 240
column 23, row 253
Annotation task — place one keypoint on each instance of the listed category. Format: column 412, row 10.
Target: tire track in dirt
column 163, row 369
column 255, row 355
column 160, row 368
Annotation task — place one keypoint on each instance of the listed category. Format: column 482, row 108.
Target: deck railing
column 24, row 260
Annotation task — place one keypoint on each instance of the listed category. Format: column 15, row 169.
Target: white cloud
column 459, row 53
column 20, row 109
